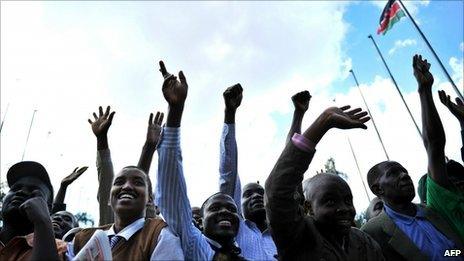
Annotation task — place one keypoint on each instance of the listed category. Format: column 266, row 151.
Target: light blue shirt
column 424, row 235
column 255, row 245
column 172, row 198
column 167, row 248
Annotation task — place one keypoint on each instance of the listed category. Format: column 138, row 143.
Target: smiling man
column 132, row 236
column 220, row 215
column 253, row 236
column 326, row 233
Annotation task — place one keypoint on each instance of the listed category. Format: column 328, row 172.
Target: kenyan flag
column 391, row 14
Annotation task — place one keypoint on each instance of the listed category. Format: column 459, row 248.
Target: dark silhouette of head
column 26, row 180
column 375, row 208
column 62, row 222
column 197, row 216
column 391, row 182
column 253, row 202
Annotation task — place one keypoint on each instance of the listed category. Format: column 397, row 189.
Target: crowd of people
column 287, row 219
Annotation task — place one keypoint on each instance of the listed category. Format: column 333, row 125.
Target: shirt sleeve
column 286, row 219
column 105, row 180
column 172, row 197
column 447, row 203
column 168, row 247
column 229, row 181
column 462, row 148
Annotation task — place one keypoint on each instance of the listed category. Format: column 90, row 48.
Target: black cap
column 29, row 169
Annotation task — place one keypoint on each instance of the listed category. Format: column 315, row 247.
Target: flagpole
column 4, row 117
column 396, row 85
column 370, row 114
column 27, row 139
column 359, row 170
column 433, row 51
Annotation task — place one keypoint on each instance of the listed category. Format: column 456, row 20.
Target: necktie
column 114, row 240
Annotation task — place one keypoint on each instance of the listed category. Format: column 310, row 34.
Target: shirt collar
column 215, row 243
column 253, row 226
column 405, row 218
column 128, row 231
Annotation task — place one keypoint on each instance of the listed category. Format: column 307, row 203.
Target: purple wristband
column 303, row 143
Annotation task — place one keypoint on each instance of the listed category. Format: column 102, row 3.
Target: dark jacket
column 295, row 234
column 396, row 245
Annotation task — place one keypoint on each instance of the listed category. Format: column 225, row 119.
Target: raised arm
column 100, row 127
column 153, row 137
column 301, row 103
column 44, row 248
column 172, row 197
column 151, row 143
column 58, row 203
column 286, row 221
column 432, row 128
column 229, row 181
column 457, row 109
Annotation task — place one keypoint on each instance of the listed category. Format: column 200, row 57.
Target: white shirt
column 167, row 248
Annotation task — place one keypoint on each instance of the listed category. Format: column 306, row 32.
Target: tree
column 84, row 219
column 331, row 169
column 360, row 219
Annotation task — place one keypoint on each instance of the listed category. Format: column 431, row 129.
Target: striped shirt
column 255, row 245
column 172, row 198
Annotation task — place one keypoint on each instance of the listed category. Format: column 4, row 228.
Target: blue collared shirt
column 173, row 201
column 255, row 245
column 167, row 248
column 424, row 235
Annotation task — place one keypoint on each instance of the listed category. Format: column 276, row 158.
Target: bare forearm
column 44, row 242
column 174, row 116
column 146, row 157
column 229, row 116
column 59, row 199
column 296, row 124
column 102, row 142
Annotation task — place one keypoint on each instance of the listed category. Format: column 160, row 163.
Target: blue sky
column 67, row 58
column 438, row 20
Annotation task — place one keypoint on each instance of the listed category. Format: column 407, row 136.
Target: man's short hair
column 149, row 185
column 378, row 170
column 212, row 196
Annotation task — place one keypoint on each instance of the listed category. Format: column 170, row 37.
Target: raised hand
column 457, row 109
column 233, row 97
column 341, row 118
column 36, row 209
column 301, row 101
column 154, row 128
column 174, row 91
column 77, row 172
column 102, row 123
column 421, row 72
column 334, row 117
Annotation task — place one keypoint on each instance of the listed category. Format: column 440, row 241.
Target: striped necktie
column 114, row 240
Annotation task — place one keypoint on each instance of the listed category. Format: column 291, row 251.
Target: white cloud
column 412, row 6
column 402, row 44
column 461, row 46
column 66, row 66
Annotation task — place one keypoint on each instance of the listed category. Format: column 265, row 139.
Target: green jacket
column 395, row 243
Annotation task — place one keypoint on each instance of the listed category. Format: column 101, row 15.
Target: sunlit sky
column 64, row 59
